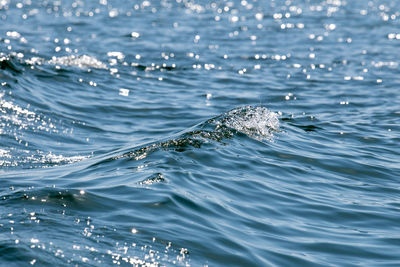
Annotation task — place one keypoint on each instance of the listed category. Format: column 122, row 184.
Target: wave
column 7, row 63
column 25, row 158
column 15, row 65
column 95, row 247
column 258, row 123
column 20, row 127
column 82, row 62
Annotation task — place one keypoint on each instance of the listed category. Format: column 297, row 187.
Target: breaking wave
column 258, row 123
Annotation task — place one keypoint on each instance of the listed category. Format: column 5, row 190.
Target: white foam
column 84, row 61
column 14, row 120
column 13, row 115
column 60, row 159
column 53, row 159
column 256, row 122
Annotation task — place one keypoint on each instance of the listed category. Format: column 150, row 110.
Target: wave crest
column 256, row 122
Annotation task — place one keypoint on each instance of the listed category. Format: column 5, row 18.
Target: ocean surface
column 199, row 133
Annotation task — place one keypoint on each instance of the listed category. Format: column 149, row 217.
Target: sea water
column 199, row 133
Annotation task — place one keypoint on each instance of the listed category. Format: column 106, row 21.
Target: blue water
column 199, row 133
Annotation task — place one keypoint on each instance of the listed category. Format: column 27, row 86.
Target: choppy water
column 225, row 133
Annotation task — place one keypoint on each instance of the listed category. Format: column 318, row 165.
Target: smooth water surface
column 199, row 133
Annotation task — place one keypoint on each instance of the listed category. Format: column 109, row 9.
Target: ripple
column 228, row 133
column 61, row 212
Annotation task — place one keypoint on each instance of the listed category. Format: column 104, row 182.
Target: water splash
column 84, row 61
column 256, row 122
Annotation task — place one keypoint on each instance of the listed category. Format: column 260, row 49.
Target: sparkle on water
column 185, row 132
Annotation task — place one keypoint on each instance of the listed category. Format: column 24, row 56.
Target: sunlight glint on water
column 199, row 133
